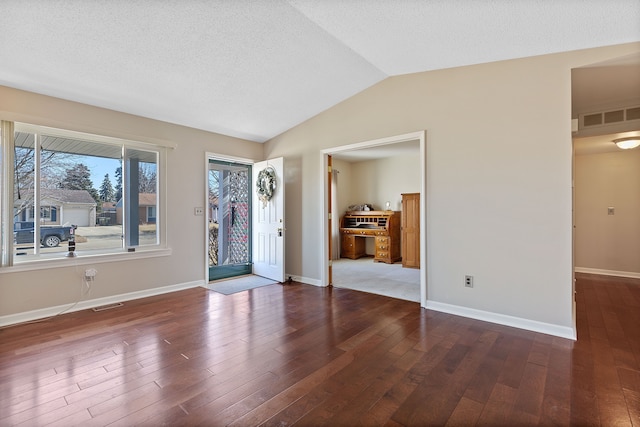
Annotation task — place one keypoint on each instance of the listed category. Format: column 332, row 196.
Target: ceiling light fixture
column 627, row 143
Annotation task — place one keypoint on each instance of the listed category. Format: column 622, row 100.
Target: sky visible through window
column 99, row 167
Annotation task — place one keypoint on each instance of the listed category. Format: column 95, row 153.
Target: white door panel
column 268, row 225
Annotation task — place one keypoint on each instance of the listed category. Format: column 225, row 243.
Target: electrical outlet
column 468, row 281
column 198, row 211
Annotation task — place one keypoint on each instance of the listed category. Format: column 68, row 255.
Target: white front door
column 268, row 219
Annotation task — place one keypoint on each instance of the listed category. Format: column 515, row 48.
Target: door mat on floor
column 231, row 286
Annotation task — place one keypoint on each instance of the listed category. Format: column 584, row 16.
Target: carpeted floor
column 362, row 275
column 239, row 284
column 377, row 278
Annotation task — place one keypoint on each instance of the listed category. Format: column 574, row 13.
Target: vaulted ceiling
column 253, row 69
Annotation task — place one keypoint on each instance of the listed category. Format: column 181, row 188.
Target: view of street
column 98, row 237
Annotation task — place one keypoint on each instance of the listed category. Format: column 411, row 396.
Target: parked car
column 50, row 236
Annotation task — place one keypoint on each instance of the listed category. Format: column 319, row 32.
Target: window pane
column 71, row 173
column 229, row 216
column 81, row 177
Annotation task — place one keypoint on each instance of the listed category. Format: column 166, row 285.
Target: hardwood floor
column 298, row 354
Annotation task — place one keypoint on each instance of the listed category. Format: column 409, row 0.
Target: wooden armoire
column 411, row 230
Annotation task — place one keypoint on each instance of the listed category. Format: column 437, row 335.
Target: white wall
column 382, row 180
column 345, row 177
column 608, row 242
column 499, row 158
column 22, row 291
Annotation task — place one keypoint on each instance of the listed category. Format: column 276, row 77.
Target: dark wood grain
column 301, row 355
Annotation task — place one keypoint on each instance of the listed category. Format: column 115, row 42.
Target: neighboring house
column 108, row 207
column 59, row 207
column 107, row 215
column 146, row 209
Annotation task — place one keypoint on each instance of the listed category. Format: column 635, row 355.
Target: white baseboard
column 630, row 274
column 502, row 319
column 305, row 280
column 43, row 313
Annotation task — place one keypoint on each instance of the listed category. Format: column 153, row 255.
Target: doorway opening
column 334, row 213
column 229, row 213
column 605, row 180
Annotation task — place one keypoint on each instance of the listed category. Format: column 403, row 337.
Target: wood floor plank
column 302, row 355
column 466, row 412
column 531, row 392
column 277, row 400
column 378, row 349
column 556, row 401
column 383, row 409
column 33, row 415
column 633, row 403
column 354, row 384
column 499, row 406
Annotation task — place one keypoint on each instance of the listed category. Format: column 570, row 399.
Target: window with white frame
column 48, row 214
column 101, row 193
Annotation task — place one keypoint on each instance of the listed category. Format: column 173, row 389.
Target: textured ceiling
column 253, row 69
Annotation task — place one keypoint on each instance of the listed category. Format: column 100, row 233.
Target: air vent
column 593, row 119
column 633, row 113
column 610, row 117
column 614, row 116
column 107, row 307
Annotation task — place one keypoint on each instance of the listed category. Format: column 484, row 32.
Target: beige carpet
column 377, row 278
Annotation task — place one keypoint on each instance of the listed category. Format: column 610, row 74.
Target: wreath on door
column 266, row 185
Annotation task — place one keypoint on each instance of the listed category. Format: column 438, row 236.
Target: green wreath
column 266, row 185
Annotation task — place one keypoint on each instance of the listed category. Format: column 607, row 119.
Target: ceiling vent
column 620, row 116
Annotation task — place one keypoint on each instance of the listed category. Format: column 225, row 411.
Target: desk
column 383, row 226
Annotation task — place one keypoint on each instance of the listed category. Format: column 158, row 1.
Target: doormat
column 239, row 284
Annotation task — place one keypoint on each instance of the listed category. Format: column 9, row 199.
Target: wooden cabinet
column 383, row 249
column 411, row 230
column 352, row 247
column 383, row 226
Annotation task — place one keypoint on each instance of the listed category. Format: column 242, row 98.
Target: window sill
column 61, row 261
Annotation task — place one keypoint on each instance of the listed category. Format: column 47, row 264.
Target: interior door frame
column 425, row 255
column 205, row 226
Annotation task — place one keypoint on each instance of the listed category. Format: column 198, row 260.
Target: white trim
column 205, row 226
column 21, row 126
column 631, row 274
column 231, row 159
column 43, row 313
column 7, row 153
column 61, row 261
column 425, row 257
column 305, row 280
column 375, row 142
column 503, row 319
